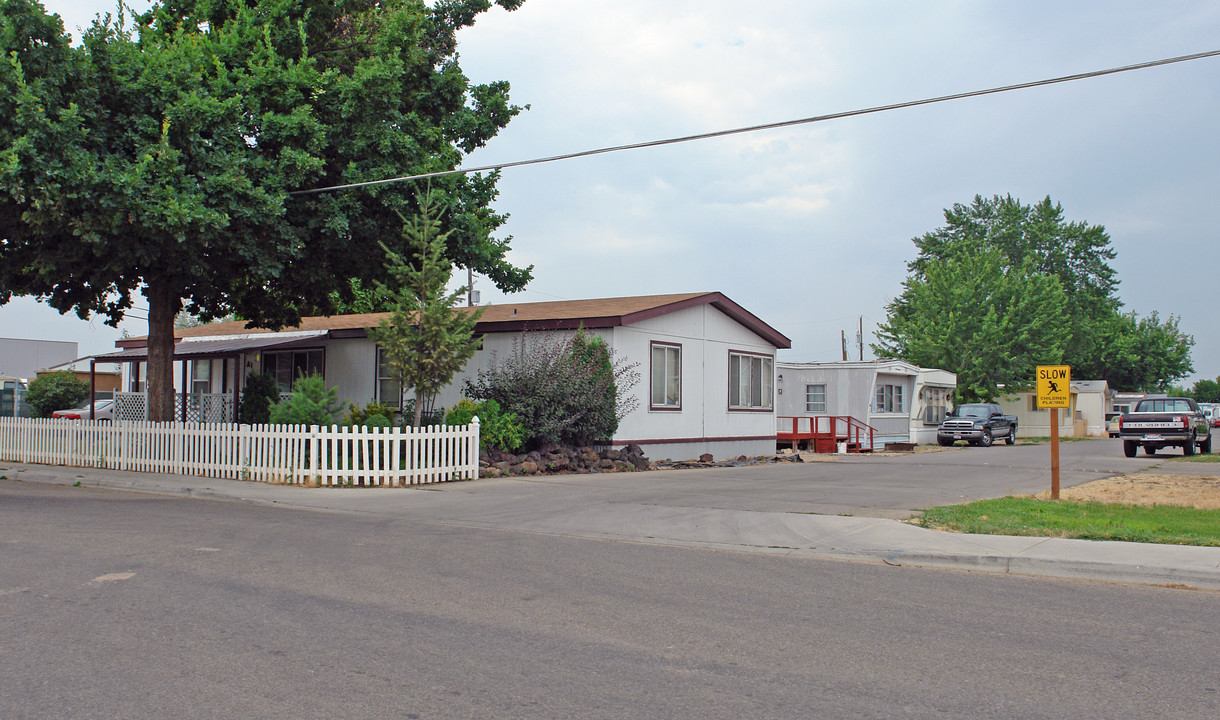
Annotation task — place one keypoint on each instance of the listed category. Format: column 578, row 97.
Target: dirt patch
column 1200, row 491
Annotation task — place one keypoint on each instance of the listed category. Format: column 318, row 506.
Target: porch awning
column 198, row 349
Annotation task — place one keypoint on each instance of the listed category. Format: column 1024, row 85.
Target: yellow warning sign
column 1052, row 384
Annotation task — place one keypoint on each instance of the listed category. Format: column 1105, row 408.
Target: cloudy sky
column 810, row 227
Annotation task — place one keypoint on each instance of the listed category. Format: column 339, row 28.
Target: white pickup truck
column 1160, row 422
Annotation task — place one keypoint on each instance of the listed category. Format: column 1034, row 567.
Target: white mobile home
column 707, row 365
column 1089, row 401
column 891, row 397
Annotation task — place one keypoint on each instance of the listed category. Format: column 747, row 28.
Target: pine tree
column 425, row 339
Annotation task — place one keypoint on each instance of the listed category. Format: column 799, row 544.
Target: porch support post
column 237, row 381
column 92, row 388
column 184, row 387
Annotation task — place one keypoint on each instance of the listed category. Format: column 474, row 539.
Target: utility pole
column 860, row 338
column 843, row 337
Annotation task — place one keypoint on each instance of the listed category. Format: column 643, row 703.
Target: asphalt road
column 122, row 605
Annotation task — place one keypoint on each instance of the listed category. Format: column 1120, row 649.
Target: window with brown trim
column 389, row 388
column 666, row 383
column 288, row 365
column 750, row 381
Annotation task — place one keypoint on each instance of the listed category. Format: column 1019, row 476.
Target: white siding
column 849, row 389
column 351, row 366
column 703, row 424
column 707, row 336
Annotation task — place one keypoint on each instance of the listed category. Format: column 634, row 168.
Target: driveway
column 887, row 486
column 892, row 486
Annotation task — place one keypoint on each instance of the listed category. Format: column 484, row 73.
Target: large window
column 389, row 390
column 936, row 403
column 288, row 365
column 666, row 377
column 750, row 381
column 815, row 398
column 889, row 399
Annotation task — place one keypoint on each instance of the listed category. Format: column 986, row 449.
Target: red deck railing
column 823, row 433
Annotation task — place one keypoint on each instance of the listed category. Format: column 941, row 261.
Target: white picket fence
column 266, row 453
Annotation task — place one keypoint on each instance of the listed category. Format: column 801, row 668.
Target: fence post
column 472, row 449
column 243, row 449
column 315, row 450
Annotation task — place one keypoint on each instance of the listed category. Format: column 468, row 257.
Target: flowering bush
column 566, row 389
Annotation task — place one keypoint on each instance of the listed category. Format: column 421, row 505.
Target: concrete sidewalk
column 587, row 506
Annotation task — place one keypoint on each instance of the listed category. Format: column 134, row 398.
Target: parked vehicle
column 977, row 424
column 1212, row 411
column 104, row 411
column 1160, row 422
column 1112, row 423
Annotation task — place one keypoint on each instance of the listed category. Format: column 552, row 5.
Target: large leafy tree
column 970, row 314
column 1146, row 354
column 1206, row 391
column 162, row 155
column 1037, row 239
column 1003, row 287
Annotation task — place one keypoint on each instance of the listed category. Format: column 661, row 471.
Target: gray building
column 24, row 358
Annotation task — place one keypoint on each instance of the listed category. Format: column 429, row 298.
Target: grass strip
column 1208, row 458
column 1166, row 524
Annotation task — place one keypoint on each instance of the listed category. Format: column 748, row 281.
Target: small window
column 815, row 398
column 389, row 389
column 889, row 399
column 666, row 390
column 201, row 377
column 750, row 381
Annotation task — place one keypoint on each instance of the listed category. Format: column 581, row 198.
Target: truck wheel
column 1188, row 447
column 1129, row 447
column 1206, row 446
column 985, row 439
column 944, row 442
column 1012, row 436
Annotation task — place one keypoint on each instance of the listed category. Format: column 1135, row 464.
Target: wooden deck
column 824, row 433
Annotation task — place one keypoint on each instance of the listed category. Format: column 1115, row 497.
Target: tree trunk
column 163, row 307
column 419, row 408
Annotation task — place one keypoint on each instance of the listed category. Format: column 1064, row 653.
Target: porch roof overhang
column 227, row 347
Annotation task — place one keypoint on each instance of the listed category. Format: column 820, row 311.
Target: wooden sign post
column 1053, row 390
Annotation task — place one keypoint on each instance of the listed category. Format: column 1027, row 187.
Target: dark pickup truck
column 977, row 424
column 1159, row 422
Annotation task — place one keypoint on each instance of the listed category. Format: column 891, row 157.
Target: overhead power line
column 771, row 126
